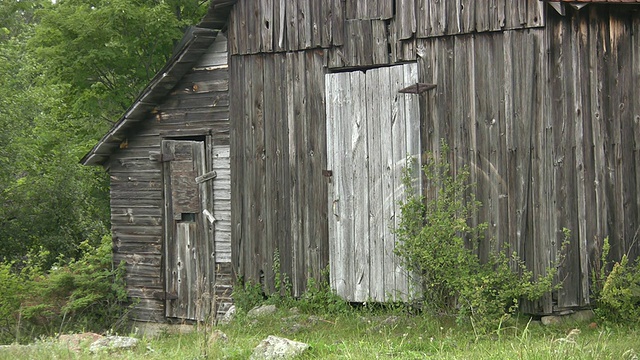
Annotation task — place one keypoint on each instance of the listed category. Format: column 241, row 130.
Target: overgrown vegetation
column 383, row 335
column 617, row 292
column 86, row 294
column 68, row 71
column 439, row 243
column 318, row 298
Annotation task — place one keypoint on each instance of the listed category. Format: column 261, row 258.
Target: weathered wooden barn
column 280, row 129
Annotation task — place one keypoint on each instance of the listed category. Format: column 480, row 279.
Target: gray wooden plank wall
column 197, row 105
column 547, row 121
column 366, row 32
column 277, row 156
column 371, row 130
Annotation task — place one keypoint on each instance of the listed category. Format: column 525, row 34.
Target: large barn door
column 371, row 129
column 188, row 239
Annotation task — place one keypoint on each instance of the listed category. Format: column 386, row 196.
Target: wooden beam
column 417, row 88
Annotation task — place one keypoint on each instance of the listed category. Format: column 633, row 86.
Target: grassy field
column 371, row 336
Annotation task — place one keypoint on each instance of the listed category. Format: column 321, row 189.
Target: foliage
column 107, row 50
column 247, row 295
column 68, row 70
column 318, row 298
column 438, row 242
column 619, row 300
column 599, row 268
column 362, row 336
column 76, row 295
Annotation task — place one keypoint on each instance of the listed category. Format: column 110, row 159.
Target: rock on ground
column 218, row 336
column 578, row 316
column 260, row 311
column 274, row 347
column 74, row 341
column 113, row 343
column 228, row 316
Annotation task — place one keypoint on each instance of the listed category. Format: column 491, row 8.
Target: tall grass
column 369, row 335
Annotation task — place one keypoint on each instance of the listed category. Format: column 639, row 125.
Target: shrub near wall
column 87, row 294
column 439, row 244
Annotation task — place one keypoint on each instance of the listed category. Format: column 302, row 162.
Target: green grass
column 374, row 336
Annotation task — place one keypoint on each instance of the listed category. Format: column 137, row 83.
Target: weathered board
column 189, row 245
column 278, row 202
column 547, row 129
column 371, row 131
column 371, row 25
column 196, row 108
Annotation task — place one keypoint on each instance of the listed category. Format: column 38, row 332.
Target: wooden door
column 189, row 244
column 371, row 129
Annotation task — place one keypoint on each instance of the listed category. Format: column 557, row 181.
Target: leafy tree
column 107, row 50
column 67, row 71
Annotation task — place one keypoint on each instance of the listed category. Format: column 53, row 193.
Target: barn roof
column 193, row 45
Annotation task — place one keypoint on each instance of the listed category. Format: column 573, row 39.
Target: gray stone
column 573, row 317
column 261, row 311
column 274, row 347
column 582, row 316
column 152, row 330
column 293, row 329
column 218, row 336
column 228, row 316
column 109, row 343
column 551, row 320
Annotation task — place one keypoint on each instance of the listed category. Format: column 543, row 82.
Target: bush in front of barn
column 87, row 294
column 616, row 288
column 439, row 243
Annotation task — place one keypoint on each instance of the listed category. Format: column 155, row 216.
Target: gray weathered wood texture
column 543, row 109
column 359, row 29
column 371, row 131
column 540, row 108
column 278, row 152
column 548, row 127
column 196, row 108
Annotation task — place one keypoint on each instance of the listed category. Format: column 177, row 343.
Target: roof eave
column 195, row 43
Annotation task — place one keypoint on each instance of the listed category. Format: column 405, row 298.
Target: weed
column 438, row 242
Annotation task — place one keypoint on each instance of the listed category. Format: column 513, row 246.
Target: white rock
column 263, row 310
column 551, row 320
column 274, row 347
column 114, row 343
column 228, row 316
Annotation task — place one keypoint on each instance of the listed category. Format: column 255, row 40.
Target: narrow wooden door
column 188, row 234
column 371, row 130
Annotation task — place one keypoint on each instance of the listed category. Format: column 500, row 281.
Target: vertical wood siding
column 277, row 156
column 356, row 30
column 371, row 131
column 549, row 129
column 197, row 105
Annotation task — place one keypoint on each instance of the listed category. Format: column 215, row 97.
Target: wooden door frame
column 204, row 227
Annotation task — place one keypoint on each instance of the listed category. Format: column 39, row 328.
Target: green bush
column 619, row 299
column 247, row 295
column 439, row 244
column 318, row 298
column 11, row 296
column 87, row 294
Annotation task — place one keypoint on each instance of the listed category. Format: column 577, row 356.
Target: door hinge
column 206, row 177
